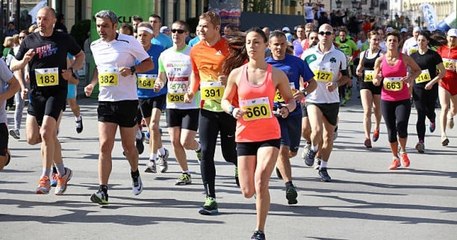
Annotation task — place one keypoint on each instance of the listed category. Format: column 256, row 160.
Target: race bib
column 449, row 64
column 424, row 76
column 279, row 98
column 47, row 77
column 108, row 76
column 177, row 86
column 368, row 76
column 323, row 76
column 211, row 90
column 146, row 81
column 175, row 97
column 393, row 84
column 258, row 108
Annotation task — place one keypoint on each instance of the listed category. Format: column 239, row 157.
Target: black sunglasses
column 180, row 31
column 21, row 37
column 328, row 33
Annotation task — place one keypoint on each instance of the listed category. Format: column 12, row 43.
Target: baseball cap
column 404, row 30
column 286, row 29
column 452, row 32
column 164, row 29
column 416, row 29
column 389, row 29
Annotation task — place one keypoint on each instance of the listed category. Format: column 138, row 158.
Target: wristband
column 231, row 109
column 132, row 70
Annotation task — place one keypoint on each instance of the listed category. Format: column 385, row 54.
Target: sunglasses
column 21, row 37
column 180, row 31
column 328, row 33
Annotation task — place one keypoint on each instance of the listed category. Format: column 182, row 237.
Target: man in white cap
column 410, row 45
column 286, row 30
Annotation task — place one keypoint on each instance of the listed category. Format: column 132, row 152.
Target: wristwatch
column 304, row 92
column 132, row 70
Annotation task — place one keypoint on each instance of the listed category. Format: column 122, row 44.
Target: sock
column 323, row 165
column 289, row 183
column 135, row 174
column 199, row 148
column 60, row 169
column 46, row 172
column 161, row 151
column 186, row 172
column 103, row 188
column 314, row 148
column 78, row 118
column 139, row 134
column 153, row 157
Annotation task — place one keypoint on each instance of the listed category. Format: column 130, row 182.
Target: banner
column 228, row 10
column 429, row 16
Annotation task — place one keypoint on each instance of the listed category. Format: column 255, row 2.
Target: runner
column 348, row 47
column 207, row 58
column 151, row 103
column 410, row 45
column 9, row 85
column 370, row 94
column 159, row 38
column 302, row 35
column 115, row 55
column 253, row 86
column 395, row 95
column 71, row 98
column 323, row 104
column 425, row 90
column 295, row 69
column 182, row 118
column 448, row 85
column 46, row 52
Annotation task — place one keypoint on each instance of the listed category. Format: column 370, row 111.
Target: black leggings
column 425, row 101
column 396, row 115
column 210, row 124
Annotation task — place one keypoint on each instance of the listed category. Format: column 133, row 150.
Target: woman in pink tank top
column 248, row 97
column 391, row 72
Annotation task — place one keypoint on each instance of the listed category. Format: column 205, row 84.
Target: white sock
column 161, row 151
column 78, row 118
column 199, row 148
column 153, row 157
column 314, row 148
column 323, row 165
column 138, row 134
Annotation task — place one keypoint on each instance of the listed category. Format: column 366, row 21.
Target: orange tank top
column 258, row 123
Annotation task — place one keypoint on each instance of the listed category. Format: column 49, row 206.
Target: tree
column 258, row 6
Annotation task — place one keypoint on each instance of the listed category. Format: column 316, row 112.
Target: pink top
column 258, row 123
column 392, row 88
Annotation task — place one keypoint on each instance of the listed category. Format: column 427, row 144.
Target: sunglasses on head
column 328, row 33
column 180, row 31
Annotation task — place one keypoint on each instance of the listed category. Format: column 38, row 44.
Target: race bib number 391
column 47, row 77
column 211, row 90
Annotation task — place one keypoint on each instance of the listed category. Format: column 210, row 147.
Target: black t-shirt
column 50, row 52
column 429, row 60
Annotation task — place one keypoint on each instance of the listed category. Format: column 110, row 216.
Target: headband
column 146, row 29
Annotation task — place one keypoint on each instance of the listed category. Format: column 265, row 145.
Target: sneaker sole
column 292, row 197
column 183, row 183
column 95, row 199
column 42, row 192
column 203, row 211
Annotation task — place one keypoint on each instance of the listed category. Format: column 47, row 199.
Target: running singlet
column 5, row 76
column 146, row 80
column 207, row 63
column 258, row 122
column 176, row 64
column 46, row 66
column 449, row 81
column 393, row 89
column 109, row 56
column 427, row 62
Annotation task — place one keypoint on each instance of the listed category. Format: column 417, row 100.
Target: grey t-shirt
column 5, row 76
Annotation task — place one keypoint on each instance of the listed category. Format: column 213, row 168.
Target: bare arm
column 229, row 93
column 282, row 84
column 13, row 87
column 377, row 71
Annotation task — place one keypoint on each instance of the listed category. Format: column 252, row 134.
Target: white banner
column 429, row 16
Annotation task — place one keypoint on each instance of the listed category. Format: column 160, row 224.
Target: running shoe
column 8, row 158
column 405, row 160
column 309, row 160
column 15, row 134
column 451, row 123
column 139, row 142
column 291, row 194
column 420, row 147
column 99, row 197
column 324, row 175
column 151, row 167
column 53, row 179
column 79, row 125
column 163, row 163
column 367, row 143
column 62, row 181
column 432, row 127
column 278, row 173
column 44, row 185
column 375, row 135
column 306, row 149
column 184, row 179
column 395, row 164
column 258, row 235
column 137, row 184
column 444, row 141
column 209, row 207
column 199, row 155
column 237, row 179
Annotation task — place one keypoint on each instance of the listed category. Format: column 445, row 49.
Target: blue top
column 154, row 51
column 194, row 41
column 294, row 68
column 162, row 40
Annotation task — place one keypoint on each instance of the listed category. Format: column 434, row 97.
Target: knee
column 187, row 144
column 248, row 192
column 154, row 126
column 33, row 139
column 261, row 185
column 176, row 143
column 47, row 134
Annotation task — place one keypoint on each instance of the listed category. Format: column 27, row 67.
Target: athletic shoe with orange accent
column 62, row 181
column 405, row 159
column 375, row 135
column 44, row 186
column 395, row 164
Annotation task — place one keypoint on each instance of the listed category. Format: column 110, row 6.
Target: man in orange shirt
column 207, row 58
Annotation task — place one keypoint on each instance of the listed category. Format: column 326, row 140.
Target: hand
column 67, row 74
column 283, row 111
column 377, row 80
column 24, row 93
column 298, row 96
column 125, row 71
column 88, row 89
column 429, row 86
column 188, row 96
column 157, row 86
column 359, row 73
column 29, row 55
column 222, row 79
column 237, row 113
column 331, row 86
column 406, row 79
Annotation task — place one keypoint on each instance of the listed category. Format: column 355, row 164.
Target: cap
column 452, row 32
column 416, row 29
column 164, row 29
column 404, row 30
column 389, row 29
column 286, row 29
